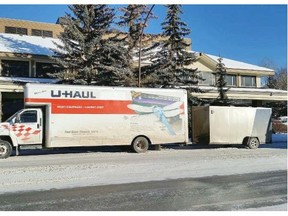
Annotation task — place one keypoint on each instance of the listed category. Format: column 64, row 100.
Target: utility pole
column 140, row 46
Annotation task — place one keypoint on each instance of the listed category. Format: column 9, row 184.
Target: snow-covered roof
column 14, row 43
column 229, row 63
column 27, row 80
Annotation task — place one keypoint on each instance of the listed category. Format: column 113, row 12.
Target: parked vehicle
column 71, row 116
column 278, row 126
column 283, row 119
column 57, row 116
column 250, row 126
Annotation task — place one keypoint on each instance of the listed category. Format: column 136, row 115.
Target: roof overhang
column 4, row 87
column 244, row 94
column 235, row 67
column 16, row 84
column 210, row 92
column 250, row 72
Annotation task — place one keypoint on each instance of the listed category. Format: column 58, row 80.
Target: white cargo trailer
column 70, row 116
column 250, row 126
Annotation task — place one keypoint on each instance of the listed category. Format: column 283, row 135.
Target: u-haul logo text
column 72, row 94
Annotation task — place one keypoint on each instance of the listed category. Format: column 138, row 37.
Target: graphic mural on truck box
column 166, row 108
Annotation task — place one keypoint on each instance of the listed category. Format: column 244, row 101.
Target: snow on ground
column 54, row 169
column 282, row 207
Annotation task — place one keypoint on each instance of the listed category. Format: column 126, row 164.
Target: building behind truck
column 73, row 116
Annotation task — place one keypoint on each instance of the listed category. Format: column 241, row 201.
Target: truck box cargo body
column 232, row 125
column 69, row 115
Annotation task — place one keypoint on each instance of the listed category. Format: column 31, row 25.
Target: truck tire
column 5, row 149
column 253, row 142
column 140, row 144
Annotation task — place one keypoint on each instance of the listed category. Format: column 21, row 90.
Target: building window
column 16, row 30
column 43, row 69
column 231, row 80
column 36, row 32
column 47, row 33
column 11, row 68
column 209, row 78
column 248, row 81
column 41, row 33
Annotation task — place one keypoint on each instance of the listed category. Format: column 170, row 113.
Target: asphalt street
column 213, row 193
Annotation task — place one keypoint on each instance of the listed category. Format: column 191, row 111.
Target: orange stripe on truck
column 80, row 106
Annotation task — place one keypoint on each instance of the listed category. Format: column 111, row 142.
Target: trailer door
column 28, row 127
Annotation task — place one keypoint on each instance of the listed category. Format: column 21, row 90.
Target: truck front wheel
column 252, row 142
column 140, row 144
column 5, row 149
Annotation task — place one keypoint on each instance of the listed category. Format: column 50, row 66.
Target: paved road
column 234, row 192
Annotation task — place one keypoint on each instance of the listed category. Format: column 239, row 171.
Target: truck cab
column 23, row 128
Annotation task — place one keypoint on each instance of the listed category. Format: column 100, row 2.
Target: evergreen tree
column 171, row 65
column 88, row 55
column 222, row 99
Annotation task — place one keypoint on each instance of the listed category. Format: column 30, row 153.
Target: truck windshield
column 10, row 120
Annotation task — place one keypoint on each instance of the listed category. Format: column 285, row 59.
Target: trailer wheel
column 252, row 142
column 140, row 144
column 5, row 149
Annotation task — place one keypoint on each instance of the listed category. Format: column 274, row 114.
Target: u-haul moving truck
column 70, row 116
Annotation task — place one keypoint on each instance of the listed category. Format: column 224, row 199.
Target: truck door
column 28, row 127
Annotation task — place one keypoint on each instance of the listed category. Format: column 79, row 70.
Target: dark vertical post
column 1, row 106
column 140, row 46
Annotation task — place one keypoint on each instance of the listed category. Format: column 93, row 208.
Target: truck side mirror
column 17, row 119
